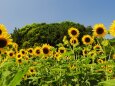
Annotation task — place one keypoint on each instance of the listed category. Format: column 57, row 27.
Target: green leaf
column 18, row 77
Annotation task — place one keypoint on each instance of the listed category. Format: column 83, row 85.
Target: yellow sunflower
column 74, row 41
column 46, row 49
column 32, row 71
column 61, row 50
column 4, row 41
column 3, row 30
column 97, row 47
column 112, row 29
column 57, row 56
column 100, row 61
column 87, row 39
column 99, row 30
column 11, row 54
column 19, row 60
column 73, row 32
column 18, row 55
column 37, row 51
column 23, row 52
column 85, row 52
column 30, row 51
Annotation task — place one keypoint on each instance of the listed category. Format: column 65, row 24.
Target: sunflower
column 99, row 30
column 57, row 56
column 112, row 29
column 18, row 55
column 92, row 54
column 73, row 32
column 97, row 47
column 46, row 49
column 11, row 54
column 61, row 50
column 23, row 52
column 32, row 71
column 4, row 41
column 87, row 39
column 19, row 60
column 3, row 30
column 30, row 51
column 74, row 41
column 100, row 61
column 85, row 52
column 37, row 51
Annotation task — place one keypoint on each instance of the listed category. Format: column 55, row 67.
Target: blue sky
column 18, row 13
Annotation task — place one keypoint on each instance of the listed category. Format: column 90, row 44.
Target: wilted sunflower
column 112, row 29
column 4, row 41
column 74, row 41
column 3, row 30
column 46, row 49
column 99, row 30
column 87, row 39
column 73, row 32
column 37, row 51
column 61, row 50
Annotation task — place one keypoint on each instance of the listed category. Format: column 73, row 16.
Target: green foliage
column 52, row 33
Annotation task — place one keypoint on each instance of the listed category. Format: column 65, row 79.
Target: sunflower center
column 38, row 51
column 30, row 51
column 85, row 52
column 61, row 51
column 11, row 54
column 87, row 39
column 32, row 70
column 19, row 56
column 3, row 42
column 19, row 60
column 100, row 30
column 74, row 41
column 23, row 52
column 0, row 31
column 45, row 51
column 73, row 32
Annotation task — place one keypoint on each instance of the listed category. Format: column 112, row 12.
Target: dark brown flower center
column 32, row 70
column 3, row 42
column 30, row 51
column 61, row 51
column 87, row 39
column 74, row 41
column 73, row 32
column 23, row 52
column 100, row 30
column 45, row 50
column 11, row 54
column 19, row 61
column 19, row 56
column 38, row 51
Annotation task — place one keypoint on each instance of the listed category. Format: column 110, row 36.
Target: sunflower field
column 69, row 63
